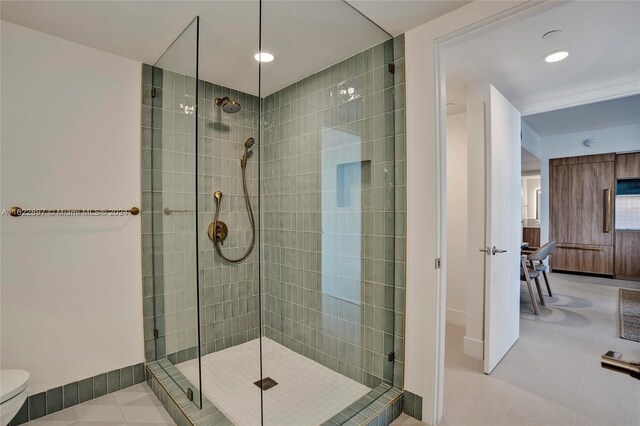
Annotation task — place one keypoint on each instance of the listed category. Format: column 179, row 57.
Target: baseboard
column 412, row 405
column 474, row 348
column 56, row 399
column 457, row 317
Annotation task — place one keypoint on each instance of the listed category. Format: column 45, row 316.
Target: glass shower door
column 328, row 228
column 170, row 164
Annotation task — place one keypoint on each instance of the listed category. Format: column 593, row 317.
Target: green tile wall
column 333, row 244
column 228, row 292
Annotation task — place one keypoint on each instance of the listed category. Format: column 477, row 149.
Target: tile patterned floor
column 307, row 393
column 552, row 375
column 135, row 405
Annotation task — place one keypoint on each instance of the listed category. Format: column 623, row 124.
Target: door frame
column 518, row 12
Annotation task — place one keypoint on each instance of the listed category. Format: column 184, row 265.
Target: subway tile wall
column 333, row 215
column 228, row 292
column 229, row 298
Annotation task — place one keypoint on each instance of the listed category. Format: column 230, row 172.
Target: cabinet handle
column 607, row 211
column 580, row 248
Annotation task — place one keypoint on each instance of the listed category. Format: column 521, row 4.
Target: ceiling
column 602, row 37
column 298, row 33
column 600, row 115
column 399, row 16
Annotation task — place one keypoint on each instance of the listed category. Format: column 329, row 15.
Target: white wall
column 530, row 140
column 456, row 218
column 71, row 286
column 426, row 204
column 529, row 185
column 615, row 139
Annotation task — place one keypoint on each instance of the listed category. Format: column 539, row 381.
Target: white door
column 502, row 231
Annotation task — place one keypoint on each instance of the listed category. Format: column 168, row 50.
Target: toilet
column 13, row 393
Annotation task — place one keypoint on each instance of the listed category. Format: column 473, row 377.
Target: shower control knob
column 218, row 231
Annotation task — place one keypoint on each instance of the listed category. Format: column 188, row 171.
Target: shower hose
column 247, row 202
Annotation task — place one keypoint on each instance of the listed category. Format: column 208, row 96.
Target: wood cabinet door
column 531, row 236
column 628, row 255
column 585, row 259
column 628, row 166
column 582, row 203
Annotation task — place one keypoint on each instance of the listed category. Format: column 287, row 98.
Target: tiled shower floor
column 307, row 393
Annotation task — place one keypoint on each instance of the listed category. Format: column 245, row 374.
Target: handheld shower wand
column 218, row 230
column 247, row 146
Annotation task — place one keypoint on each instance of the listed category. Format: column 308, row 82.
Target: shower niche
column 273, row 218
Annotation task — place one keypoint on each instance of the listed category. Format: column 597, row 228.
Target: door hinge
column 391, row 356
column 392, row 68
column 153, row 92
column 155, row 333
column 190, row 394
column 438, row 263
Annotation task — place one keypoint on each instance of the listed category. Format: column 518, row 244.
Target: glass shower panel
column 328, row 212
column 174, row 97
column 227, row 217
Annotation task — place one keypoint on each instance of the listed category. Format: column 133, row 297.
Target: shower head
column 247, row 146
column 229, row 106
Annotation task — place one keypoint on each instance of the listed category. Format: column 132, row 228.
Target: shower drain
column 266, row 383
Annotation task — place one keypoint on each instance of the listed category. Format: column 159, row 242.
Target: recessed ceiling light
column 263, row 57
column 556, row 56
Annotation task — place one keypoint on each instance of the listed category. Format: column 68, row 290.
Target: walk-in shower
column 273, row 218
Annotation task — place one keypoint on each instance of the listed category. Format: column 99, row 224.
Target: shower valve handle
column 218, row 231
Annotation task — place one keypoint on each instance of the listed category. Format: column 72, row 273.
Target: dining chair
column 539, row 256
column 526, row 275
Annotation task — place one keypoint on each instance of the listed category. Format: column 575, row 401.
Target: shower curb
column 381, row 412
column 183, row 411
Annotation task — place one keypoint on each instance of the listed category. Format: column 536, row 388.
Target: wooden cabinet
column 628, row 166
column 531, row 236
column 581, row 206
column 627, row 253
column 588, row 259
column 627, row 265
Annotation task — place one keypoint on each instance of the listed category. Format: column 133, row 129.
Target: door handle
column 492, row 251
column 607, row 211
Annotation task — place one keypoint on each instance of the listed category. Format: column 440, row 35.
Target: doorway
column 509, row 386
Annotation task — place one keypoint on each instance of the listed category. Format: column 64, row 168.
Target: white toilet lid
column 12, row 382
